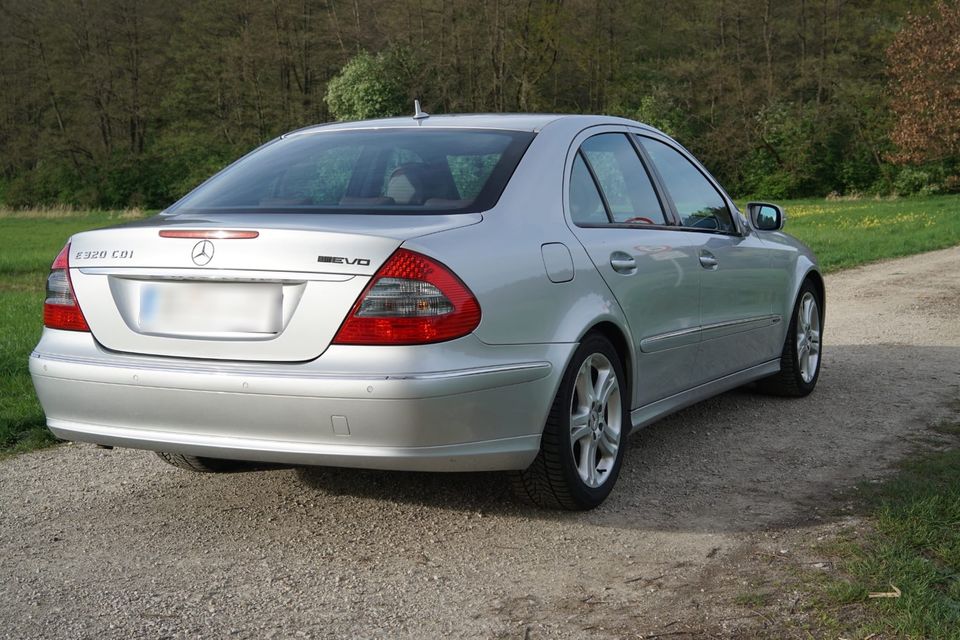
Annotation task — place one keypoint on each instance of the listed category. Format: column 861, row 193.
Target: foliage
column 912, row 181
column 656, row 110
column 118, row 102
column 368, row 86
column 924, row 66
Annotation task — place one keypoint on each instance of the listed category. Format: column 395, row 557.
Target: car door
column 737, row 287
column 618, row 214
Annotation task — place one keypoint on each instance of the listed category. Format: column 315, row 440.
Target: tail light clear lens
column 60, row 308
column 412, row 299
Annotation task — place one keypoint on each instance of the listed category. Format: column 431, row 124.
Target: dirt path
column 115, row 544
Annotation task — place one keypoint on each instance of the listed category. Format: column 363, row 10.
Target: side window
column 586, row 206
column 699, row 204
column 623, row 179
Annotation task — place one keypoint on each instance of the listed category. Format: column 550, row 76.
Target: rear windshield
column 372, row 171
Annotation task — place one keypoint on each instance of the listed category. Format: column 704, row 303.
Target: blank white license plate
column 210, row 307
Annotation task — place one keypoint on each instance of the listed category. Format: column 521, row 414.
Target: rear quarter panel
column 500, row 259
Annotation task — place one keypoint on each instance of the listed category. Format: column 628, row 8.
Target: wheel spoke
column 580, row 419
column 807, row 312
column 582, row 460
column 592, row 466
column 609, row 443
column 585, row 385
column 606, row 383
column 580, row 432
column 587, row 464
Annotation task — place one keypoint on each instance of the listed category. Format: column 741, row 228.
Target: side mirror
column 766, row 216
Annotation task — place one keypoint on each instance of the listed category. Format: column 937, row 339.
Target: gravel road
column 116, row 544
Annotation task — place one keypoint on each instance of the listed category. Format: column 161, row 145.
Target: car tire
column 202, row 465
column 801, row 356
column 584, row 439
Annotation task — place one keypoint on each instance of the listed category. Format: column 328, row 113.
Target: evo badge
column 363, row 262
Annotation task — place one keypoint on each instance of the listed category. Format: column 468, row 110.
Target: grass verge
column 912, row 544
column 29, row 241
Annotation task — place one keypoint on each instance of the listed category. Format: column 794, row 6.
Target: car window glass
column 396, row 159
column 586, row 206
column 363, row 171
column 625, row 183
column 470, row 172
column 699, row 204
column 324, row 179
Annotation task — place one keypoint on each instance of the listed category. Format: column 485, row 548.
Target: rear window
column 367, row 171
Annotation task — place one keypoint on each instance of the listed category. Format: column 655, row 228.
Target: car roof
column 533, row 122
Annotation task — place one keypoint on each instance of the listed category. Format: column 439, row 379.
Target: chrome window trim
column 628, row 225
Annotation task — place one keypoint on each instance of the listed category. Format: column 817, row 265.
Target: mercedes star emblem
column 202, row 253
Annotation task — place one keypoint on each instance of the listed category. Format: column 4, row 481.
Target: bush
column 48, row 183
column 915, row 181
column 655, row 110
column 777, row 185
column 369, row 86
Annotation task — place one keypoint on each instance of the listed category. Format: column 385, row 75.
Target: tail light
column 410, row 300
column 60, row 309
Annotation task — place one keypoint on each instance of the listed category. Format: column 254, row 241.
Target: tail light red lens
column 60, row 308
column 412, row 299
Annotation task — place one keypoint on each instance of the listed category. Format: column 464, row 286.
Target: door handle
column 623, row 262
column 708, row 260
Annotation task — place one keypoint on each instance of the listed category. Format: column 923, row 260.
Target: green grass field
column 29, row 241
column 846, row 233
column 842, row 233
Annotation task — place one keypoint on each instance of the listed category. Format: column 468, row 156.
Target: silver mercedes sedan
column 447, row 293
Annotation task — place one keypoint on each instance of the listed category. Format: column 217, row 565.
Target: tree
column 924, row 68
column 369, row 86
column 116, row 102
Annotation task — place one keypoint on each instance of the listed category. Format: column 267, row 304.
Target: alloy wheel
column 595, row 420
column 808, row 337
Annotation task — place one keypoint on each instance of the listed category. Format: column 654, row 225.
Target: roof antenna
column 418, row 113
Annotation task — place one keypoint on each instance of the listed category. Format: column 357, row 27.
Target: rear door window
column 626, row 186
column 586, row 205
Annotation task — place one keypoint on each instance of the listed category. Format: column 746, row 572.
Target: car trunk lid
column 239, row 287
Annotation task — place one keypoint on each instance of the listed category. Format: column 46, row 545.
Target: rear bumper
column 485, row 414
column 490, row 455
